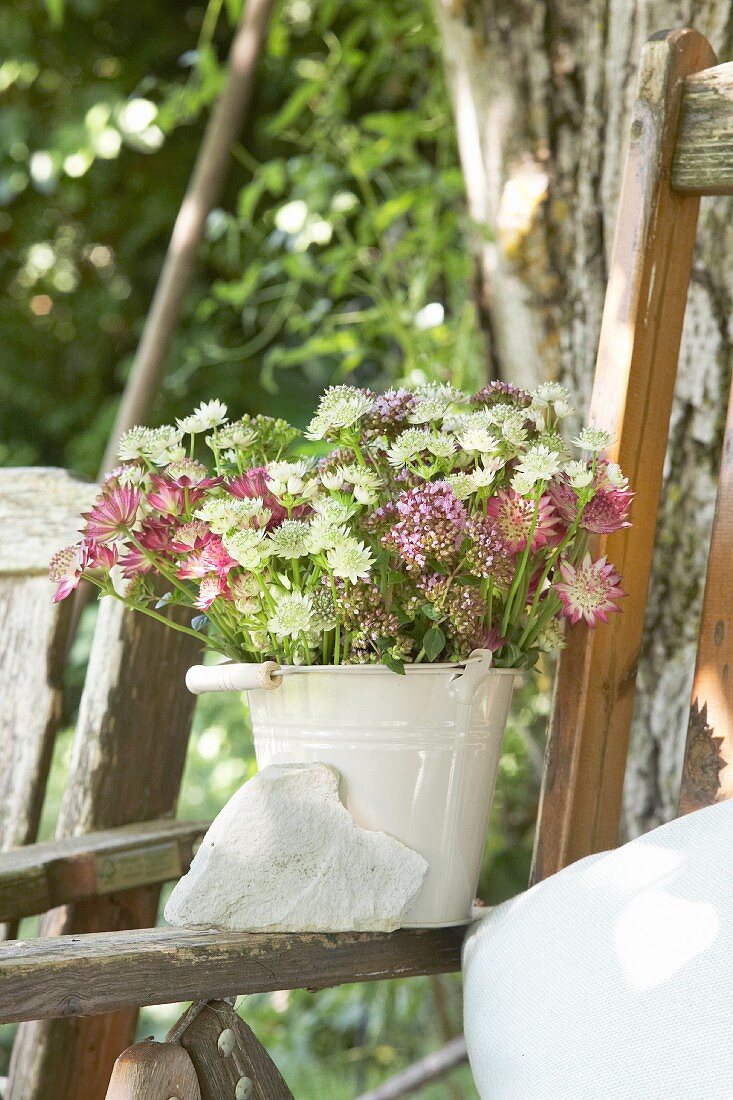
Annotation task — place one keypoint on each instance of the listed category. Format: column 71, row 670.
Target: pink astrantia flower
column 191, row 536
column 252, row 484
column 167, row 497
column 113, row 514
column 607, row 510
column 431, row 522
column 513, row 516
column 212, row 559
column 210, row 589
column 588, row 591
column 67, row 567
column 102, row 555
column 155, row 536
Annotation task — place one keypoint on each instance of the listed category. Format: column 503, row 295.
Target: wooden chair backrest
column 127, row 757
column 681, row 148
column 39, row 514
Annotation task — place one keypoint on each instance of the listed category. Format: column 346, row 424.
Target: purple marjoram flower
column 431, row 523
column 488, row 554
column 502, row 391
column 390, row 409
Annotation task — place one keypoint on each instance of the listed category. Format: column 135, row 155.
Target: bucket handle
column 465, row 685
column 233, row 677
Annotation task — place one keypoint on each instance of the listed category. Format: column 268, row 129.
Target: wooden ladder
column 681, row 147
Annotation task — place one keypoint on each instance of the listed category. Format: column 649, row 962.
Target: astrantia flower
column 550, row 393
column 539, row 464
column 593, row 439
column 286, row 478
column 513, row 517
column 588, row 591
column 212, row 558
column 333, row 510
column 579, row 474
column 225, row 514
column 210, row 589
column 432, row 401
column 474, row 437
column 133, row 444
column 290, row 539
column 191, row 536
column 324, row 535
column 240, row 435
column 210, row 414
column 292, row 615
column 114, row 512
column 253, row 484
column 248, row 547
column 485, row 471
column 102, row 555
column 66, row 569
column 605, row 512
column 187, row 473
column 163, row 445
column 462, row 485
column 552, row 636
column 350, row 559
column 407, row 445
column 167, row 497
column 365, row 482
column 324, row 611
column 245, row 593
column 441, row 445
column 339, row 407
column 501, row 391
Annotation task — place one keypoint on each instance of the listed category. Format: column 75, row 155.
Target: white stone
column 285, row 855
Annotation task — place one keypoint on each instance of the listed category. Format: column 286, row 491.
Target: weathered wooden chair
column 681, row 148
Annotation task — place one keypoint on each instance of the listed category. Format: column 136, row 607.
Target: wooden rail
column 103, row 971
column 41, row 876
column 703, row 157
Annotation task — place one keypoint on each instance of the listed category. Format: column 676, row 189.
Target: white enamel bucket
column 417, row 754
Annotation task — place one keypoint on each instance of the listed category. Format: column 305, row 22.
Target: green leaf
column 393, row 664
column 431, row 612
column 433, row 642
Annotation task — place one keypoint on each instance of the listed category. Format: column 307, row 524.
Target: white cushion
column 613, row 978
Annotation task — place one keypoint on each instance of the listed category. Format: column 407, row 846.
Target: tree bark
column 542, row 91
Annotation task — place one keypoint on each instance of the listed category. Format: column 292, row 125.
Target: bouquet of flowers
column 413, row 526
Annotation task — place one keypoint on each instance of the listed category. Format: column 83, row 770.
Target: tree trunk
column 542, row 93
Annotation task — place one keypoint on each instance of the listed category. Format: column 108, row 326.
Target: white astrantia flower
column 522, row 484
column 350, row 559
column 462, row 485
column 433, row 401
column 513, row 429
column 131, row 476
column 290, row 539
column 332, row 480
column 579, row 474
column 210, row 414
column 539, row 464
column 552, row 636
column 614, row 476
column 164, row 445
column 498, row 413
column 564, row 407
column 365, row 482
column 292, row 615
column 485, row 472
column 248, row 547
column 548, row 393
column 593, row 439
column 225, row 514
column 133, row 444
column 475, row 437
column 407, row 445
column 339, row 407
column 237, row 434
column 286, row 478
column 441, row 445
column 334, row 511
column 324, row 535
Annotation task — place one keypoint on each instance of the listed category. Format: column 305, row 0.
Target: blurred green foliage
column 338, row 251
column 341, row 249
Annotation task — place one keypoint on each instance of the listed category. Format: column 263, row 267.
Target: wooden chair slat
column 707, row 775
column 42, row 876
column 228, row 1057
column 38, row 511
column 127, row 760
column 98, row 973
column 703, row 160
column 154, row 1071
column 632, row 398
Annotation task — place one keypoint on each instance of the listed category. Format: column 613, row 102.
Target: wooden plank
column 632, row 398
column 229, row 1059
column 126, row 765
column 42, row 876
column 154, row 1071
column 99, row 973
column 40, row 513
column 703, row 160
column 707, row 775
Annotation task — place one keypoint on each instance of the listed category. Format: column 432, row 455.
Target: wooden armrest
column 104, row 971
column 39, row 877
